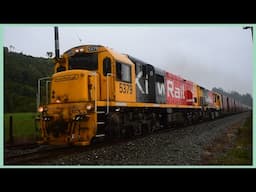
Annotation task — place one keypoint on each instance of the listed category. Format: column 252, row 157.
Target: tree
column 20, row 80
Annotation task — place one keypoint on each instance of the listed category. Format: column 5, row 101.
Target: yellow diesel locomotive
column 96, row 92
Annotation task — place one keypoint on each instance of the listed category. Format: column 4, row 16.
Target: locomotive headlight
column 89, row 107
column 40, row 109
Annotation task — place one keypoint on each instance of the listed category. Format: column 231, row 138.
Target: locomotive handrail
column 39, row 89
column 95, row 90
column 46, row 91
column 108, row 74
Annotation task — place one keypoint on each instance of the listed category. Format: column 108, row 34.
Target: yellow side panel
column 200, row 92
column 220, row 100
column 195, row 94
column 217, row 102
column 93, row 86
column 126, row 91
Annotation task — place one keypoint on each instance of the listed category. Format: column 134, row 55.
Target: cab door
column 107, row 87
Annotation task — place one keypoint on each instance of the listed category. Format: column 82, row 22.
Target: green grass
column 23, row 125
column 241, row 153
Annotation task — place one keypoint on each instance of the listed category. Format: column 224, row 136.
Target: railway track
column 34, row 154
column 24, row 155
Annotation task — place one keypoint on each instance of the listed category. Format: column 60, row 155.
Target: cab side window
column 123, row 72
column 106, row 66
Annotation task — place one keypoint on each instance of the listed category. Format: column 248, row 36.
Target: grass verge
column 23, row 126
column 234, row 148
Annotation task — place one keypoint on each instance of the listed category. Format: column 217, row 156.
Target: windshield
column 88, row 61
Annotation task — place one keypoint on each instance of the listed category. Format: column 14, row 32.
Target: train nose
column 58, row 128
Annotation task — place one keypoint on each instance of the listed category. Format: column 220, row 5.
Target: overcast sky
column 212, row 56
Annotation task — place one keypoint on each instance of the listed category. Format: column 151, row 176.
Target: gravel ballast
column 179, row 146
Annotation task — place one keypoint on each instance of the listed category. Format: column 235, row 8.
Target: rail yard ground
column 225, row 141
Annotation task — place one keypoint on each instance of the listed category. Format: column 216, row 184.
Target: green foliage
column 23, row 125
column 245, row 99
column 21, row 73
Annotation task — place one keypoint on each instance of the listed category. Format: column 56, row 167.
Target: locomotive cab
column 86, row 81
